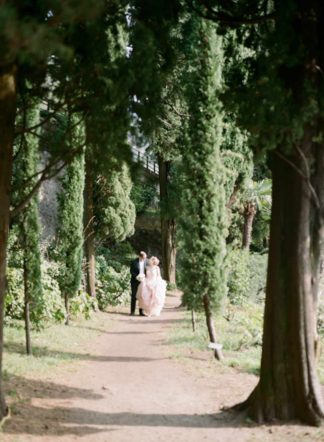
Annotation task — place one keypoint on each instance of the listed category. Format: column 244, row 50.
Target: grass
column 239, row 330
column 53, row 347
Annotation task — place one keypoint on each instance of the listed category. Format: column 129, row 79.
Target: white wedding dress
column 151, row 292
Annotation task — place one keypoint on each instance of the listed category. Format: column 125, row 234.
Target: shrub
column 239, row 284
column 113, row 286
column 117, row 255
column 14, row 300
column 258, row 264
column 144, row 196
column 53, row 308
column 83, row 304
column 244, row 326
column 54, row 304
column 246, row 276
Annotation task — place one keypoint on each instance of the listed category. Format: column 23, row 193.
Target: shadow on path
column 31, row 388
column 112, row 332
column 83, row 421
column 40, row 352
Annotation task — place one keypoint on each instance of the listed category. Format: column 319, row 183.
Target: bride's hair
column 153, row 261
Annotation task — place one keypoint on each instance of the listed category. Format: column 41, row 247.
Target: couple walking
column 147, row 286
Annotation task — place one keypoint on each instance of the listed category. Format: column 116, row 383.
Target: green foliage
column 27, row 230
column 114, row 209
column 259, row 194
column 246, row 276
column 260, row 234
column 245, row 326
column 55, row 347
column 54, row 305
column 153, row 39
column 113, row 286
column 32, row 261
column 238, row 279
column 14, row 300
column 112, row 273
column 103, row 44
column 143, row 195
column 118, row 255
column 203, row 215
column 239, row 330
column 273, row 97
column 320, row 314
column 69, row 241
column 83, row 304
column 236, row 157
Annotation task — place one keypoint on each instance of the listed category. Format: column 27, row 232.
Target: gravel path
column 130, row 389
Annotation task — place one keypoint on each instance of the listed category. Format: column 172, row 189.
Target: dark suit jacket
column 135, row 268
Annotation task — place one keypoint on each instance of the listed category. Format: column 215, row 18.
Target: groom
column 138, row 266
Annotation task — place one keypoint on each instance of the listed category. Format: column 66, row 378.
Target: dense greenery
column 228, row 95
column 26, row 232
column 69, row 241
column 203, row 200
column 114, row 210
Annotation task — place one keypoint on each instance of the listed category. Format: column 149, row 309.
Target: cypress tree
column 113, row 208
column 23, row 57
column 276, row 90
column 107, row 119
column 203, row 217
column 69, row 244
column 26, row 166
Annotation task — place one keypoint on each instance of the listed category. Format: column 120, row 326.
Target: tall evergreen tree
column 24, row 26
column 114, row 210
column 277, row 91
column 203, row 217
column 69, row 243
column 25, row 170
column 168, row 221
column 107, row 116
column 158, row 92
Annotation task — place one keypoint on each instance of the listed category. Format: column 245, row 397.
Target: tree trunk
column 249, row 215
column 193, row 320
column 169, row 251
column 89, row 233
column 67, row 309
column 168, row 225
column 211, row 328
column 27, row 303
column 288, row 386
column 8, row 94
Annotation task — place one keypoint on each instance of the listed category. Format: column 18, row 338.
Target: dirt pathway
column 130, row 390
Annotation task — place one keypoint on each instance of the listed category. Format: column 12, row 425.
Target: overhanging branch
column 208, row 13
column 48, row 172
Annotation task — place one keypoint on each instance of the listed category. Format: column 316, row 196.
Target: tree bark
column 193, row 320
column 8, row 94
column 27, row 304
column 89, row 245
column 168, row 225
column 211, row 328
column 249, row 215
column 67, row 309
column 288, row 386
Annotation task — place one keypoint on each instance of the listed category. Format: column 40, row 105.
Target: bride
column 151, row 291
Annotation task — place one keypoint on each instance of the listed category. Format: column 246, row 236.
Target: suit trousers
column 134, row 286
